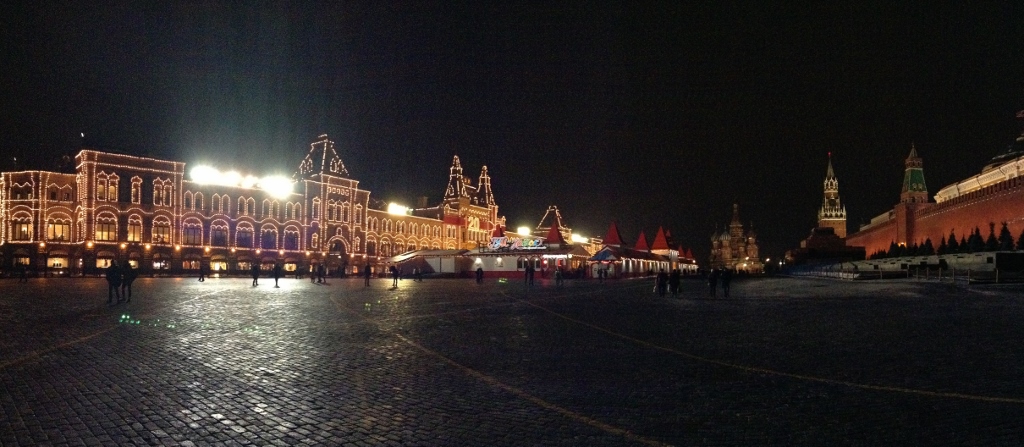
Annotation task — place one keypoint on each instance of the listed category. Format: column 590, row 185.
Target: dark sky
column 645, row 113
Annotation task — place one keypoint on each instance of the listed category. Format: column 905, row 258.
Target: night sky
column 648, row 114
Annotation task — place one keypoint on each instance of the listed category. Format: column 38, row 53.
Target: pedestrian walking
column 661, row 282
column 278, row 271
column 202, row 273
column 321, row 273
column 22, row 273
column 367, row 271
column 128, row 275
column 558, row 276
column 479, row 275
column 529, row 274
column 113, row 274
column 255, row 274
column 673, row 282
column 713, row 282
column 312, row 273
column 394, row 276
column 726, row 279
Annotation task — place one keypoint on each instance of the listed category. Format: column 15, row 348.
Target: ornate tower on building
column 832, row 213
column 914, row 188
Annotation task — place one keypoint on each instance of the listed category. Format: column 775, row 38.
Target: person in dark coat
column 367, row 271
column 277, row 273
column 479, row 275
column 661, row 282
column 673, row 282
column 255, row 270
column 128, row 275
column 713, row 281
column 530, row 271
column 394, row 276
column 202, row 272
column 321, row 273
column 726, row 279
column 113, row 282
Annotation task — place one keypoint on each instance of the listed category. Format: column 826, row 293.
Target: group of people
column 668, row 282
column 716, row 275
column 318, row 275
column 278, row 272
column 119, row 282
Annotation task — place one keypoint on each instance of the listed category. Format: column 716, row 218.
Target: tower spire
column 914, row 188
column 832, row 213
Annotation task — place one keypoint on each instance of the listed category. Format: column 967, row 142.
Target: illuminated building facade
column 146, row 212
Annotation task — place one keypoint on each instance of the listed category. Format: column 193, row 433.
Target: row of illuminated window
column 388, row 226
column 106, row 231
column 246, row 206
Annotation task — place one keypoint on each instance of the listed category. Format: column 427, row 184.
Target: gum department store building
column 146, row 212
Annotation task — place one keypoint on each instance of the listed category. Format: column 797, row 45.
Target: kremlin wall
column 996, row 195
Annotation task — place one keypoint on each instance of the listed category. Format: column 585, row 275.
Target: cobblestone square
column 447, row 362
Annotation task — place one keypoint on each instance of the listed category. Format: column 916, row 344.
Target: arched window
column 192, row 232
column 357, row 214
column 219, row 233
column 314, row 241
column 186, row 201
column 161, row 230
column 106, row 227
column 134, row 228
column 136, row 189
column 316, row 209
column 268, row 237
column 21, row 226
column 291, row 238
column 198, row 198
column 244, row 235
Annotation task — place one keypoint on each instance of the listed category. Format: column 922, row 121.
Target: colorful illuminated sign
column 516, row 243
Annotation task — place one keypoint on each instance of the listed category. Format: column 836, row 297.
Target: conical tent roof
column 554, row 236
column 498, row 231
column 641, row 242
column 613, row 237
column 660, row 243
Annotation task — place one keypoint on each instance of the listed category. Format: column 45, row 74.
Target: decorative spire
column 554, row 237
column 456, row 183
column 613, row 237
column 660, row 242
column 641, row 242
column 483, row 192
column 322, row 159
column 832, row 213
column 914, row 188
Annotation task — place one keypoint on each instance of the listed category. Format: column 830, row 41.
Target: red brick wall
column 1002, row 202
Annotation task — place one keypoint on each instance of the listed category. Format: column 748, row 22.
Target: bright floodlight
column 204, row 175
column 394, row 208
column 578, row 239
column 277, row 186
column 524, row 231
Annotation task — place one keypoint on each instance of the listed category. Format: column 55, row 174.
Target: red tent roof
column 498, row 231
column 554, row 236
column 613, row 237
column 641, row 243
column 689, row 254
column 660, row 243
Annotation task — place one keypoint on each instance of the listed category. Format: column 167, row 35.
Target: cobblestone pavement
column 450, row 362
